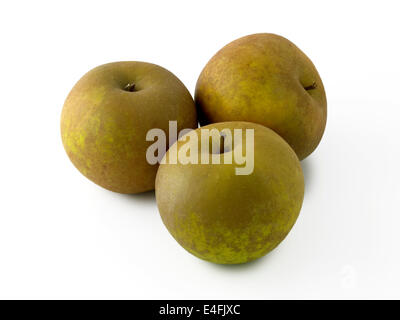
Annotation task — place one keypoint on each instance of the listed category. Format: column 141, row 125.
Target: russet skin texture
column 266, row 79
column 107, row 115
column 226, row 218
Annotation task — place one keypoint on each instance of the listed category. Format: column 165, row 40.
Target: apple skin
column 105, row 120
column 264, row 78
column 226, row 218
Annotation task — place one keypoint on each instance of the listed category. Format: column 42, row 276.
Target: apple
column 107, row 114
column 264, row 78
column 220, row 214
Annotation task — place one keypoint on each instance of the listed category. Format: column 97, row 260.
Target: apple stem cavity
column 222, row 144
column 130, row 87
column 313, row 86
column 222, row 148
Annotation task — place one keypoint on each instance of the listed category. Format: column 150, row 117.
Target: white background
column 61, row 236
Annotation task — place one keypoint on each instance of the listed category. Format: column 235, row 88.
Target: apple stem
column 222, row 144
column 313, row 86
column 130, row 87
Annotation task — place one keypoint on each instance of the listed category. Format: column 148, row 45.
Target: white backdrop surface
column 61, row 236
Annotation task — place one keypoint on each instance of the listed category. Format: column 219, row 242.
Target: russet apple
column 264, row 78
column 107, row 114
column 224, row 217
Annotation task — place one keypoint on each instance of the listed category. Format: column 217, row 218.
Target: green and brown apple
column 264, row 78
column 107, row 114
column 220, row 216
